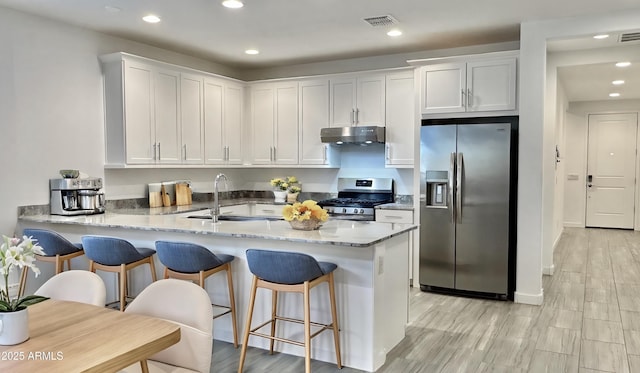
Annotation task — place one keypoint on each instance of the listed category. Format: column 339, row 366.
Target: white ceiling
column 298, row 31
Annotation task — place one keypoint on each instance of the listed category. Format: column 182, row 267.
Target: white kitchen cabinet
column 274, row 120
column 479, row 85
column 357, row 101
column 400, row 119
column 314, row 115
column 191, row 122
column 223, row 121
column 394, row 216
column 260, row 209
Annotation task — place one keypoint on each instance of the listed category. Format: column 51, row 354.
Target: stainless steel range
column 357, row 198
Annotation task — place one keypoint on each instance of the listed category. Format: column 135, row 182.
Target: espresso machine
column 74, row 196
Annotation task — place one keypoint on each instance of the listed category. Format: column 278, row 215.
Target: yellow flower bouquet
column 307, row 215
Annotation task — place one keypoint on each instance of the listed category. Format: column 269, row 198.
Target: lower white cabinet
column 394, row 216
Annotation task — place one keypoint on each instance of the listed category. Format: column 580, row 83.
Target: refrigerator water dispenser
column 437, row 188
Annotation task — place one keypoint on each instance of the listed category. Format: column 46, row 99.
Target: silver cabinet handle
column 452, row 172
column 469, row 97
column 459, row 186
column 184, row 150
column 155, row 151
column 274, row 154
column 464, row 101
column 387, row 152
column 159, row 153
column 353, row 116
column 226, row 153
column 324, row 154
column 357, row 116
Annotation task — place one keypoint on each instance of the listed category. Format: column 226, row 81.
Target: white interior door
column 611, row 170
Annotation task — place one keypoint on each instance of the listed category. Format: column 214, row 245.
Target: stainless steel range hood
column 352, row 135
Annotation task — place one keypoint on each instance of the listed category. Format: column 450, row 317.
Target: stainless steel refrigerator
column 468, row 171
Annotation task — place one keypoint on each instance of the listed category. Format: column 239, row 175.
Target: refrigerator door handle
column 452, row 169
column 459, row 191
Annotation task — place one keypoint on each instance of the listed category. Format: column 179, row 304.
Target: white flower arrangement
column 16, row 252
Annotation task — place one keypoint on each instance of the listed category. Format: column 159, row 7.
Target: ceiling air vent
column 381, row 21
column 629, row 36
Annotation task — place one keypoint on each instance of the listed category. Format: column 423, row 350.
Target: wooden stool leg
column 166, row 272
column 232, row 304
column 274, row 307
column 307, row 329
column 154, row 278
column 23, row 282
column 247, row 327
column 59, row 265
column 334, row 320
column 123, row 286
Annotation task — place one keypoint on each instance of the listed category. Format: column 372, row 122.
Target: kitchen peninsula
column 371, row 280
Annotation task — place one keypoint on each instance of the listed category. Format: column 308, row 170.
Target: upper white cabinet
column 223, row 115
column 313, row 115
column 357, row 101
column 158, row 114
column 274, row 121
column 400, row 119
column 477, row 85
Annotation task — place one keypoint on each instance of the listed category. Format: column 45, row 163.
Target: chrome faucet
column 215, row 211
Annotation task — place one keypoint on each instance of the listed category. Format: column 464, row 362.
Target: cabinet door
column 370, row 108
column 401, row 121
column 285, row 146
column 191, row 123
column 262, row 121
column 167, row 116
column 314, row 115
column 233, row 116
column 491, row 85
column 213, row 121
column 342, row 101
column 138, row 107
column 443, row 88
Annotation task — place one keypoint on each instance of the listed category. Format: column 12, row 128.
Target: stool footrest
column 322, row 327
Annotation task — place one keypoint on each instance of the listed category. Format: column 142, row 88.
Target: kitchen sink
column 237, row 217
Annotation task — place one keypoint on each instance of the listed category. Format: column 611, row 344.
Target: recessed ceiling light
column 601, row 36
column 251, row 51
column 233, row 4
column 151, row 18
column 617, row 82
column 394, row 32
column 623, row 64
column 615, row 94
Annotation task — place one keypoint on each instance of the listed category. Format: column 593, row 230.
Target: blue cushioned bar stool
column 57, row 249
column 289, row 272
column 189, row 261
column 111, row 254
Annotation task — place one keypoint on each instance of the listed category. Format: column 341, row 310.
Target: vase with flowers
column 307, row 215
column 14, row 320
column 292, row 193
column 281, row 187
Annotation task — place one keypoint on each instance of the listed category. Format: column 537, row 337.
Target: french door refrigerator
column 468, row 171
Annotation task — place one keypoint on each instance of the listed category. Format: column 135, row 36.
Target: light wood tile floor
column 589, row 322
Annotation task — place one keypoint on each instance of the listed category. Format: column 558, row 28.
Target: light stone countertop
column 332, row 232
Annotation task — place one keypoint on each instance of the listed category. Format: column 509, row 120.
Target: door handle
column 184, row 149
column 159, row 153
column 469, row 97
column 450, row 202
column 464, row 101
column 459, row 191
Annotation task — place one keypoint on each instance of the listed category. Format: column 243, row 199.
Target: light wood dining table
column 76, row 337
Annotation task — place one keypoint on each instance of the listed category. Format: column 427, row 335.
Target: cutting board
column 166, row 199
column 183, row 194
column 155, row 199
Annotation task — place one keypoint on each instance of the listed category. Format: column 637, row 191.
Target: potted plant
column 14, row 319
column 292, row 193
column 281, row 186
column 307, row 215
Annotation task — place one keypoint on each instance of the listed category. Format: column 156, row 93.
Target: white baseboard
column 548, row 270
column 533, row 299
column 573, row 225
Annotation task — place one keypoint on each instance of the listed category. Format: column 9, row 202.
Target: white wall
column 537, row 142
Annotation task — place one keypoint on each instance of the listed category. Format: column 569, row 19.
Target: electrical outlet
column 380, row 265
